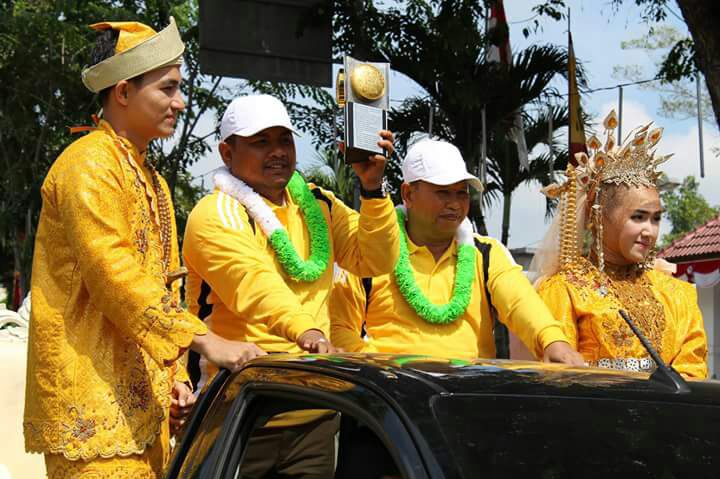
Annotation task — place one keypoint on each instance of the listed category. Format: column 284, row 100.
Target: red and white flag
column 499, row 52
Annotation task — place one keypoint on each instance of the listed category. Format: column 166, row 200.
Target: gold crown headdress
column 633, row 164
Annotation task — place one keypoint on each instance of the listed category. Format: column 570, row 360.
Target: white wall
column 709, row 302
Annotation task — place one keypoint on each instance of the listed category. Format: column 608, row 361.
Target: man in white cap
column 440, row 297
column 107, row 327
column 260, row 250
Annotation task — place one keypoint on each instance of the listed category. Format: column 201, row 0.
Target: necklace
column 632, row 289
column 630, row 286
column 464, row 277
column 298, row 269
column 163, row 205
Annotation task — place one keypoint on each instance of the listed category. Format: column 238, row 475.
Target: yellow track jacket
column 392, row 325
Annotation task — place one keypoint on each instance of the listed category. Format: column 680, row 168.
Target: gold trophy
column 362, row 89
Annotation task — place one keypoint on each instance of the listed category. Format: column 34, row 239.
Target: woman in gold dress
column 613, row 195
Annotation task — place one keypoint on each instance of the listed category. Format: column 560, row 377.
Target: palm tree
column 329, row 171
column 505, row 174
column 440, row 44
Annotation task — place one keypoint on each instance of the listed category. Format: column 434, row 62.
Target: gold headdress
column 139, row 49
column 633, row 164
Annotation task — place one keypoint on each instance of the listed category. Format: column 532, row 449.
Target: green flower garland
column 462, row 288
column 311, row 269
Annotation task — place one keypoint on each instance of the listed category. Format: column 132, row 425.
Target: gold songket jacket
column 105, row 333
column 665, row 309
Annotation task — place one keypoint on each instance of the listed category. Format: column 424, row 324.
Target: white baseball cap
column 251, row 114
column 437, row 162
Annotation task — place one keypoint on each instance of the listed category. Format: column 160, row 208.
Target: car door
column 217, row 444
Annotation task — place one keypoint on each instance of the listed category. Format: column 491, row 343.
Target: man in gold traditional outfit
column 448, row 281
column 107, row 327
column 614, row 193
column 245, row 246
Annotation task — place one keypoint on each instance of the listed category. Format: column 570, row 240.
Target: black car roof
column 409, row 376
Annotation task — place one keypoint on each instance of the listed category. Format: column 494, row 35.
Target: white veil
column 546, row 261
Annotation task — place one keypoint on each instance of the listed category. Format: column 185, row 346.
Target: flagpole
column 620, row 108
column 700, row 125
column 550, row 143
column 430, row 118
column 483, row 125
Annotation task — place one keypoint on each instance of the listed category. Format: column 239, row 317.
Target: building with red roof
column 697, row 256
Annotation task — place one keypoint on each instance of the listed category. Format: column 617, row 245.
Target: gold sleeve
column 554, row 293
column 347, row 313
column 691, row 360
column 366, row 244
column 181, row 373
column 517, row 303
column 94, row 211
column 230, row 260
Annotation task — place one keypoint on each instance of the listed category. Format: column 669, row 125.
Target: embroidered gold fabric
column 632, row 289
column 586, row 301
column 148, row 465
column 105, row 333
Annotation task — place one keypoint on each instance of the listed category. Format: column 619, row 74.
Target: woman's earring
column 649, row 262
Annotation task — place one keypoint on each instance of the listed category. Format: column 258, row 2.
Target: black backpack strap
column 484, row 249
column 319, row 195
column 367, row 286
column 193, row 366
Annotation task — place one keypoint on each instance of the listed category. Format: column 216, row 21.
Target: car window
column 314, row 443
column 201, row 451
column 547, row 437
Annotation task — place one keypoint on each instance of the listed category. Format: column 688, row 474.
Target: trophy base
column 354, row 155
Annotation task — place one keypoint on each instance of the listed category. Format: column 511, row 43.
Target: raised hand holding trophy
column 363, row 90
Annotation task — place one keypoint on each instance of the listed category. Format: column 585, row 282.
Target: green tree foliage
column 44, row 45
column 504, row 172
column 441, row 45
column 688, row 55
column 329, row 171
column 686, row 209
column 42, row 50
column 678, row 98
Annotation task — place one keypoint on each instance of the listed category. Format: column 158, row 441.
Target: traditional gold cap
column 140, row 49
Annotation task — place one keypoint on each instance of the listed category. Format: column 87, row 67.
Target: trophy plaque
column 362, row 89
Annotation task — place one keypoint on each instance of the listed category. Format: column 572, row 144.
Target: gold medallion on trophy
column 367, row 82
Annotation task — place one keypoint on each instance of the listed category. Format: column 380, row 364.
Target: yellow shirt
column 104, row 331
column 587, row 306
column 392, row 325
column 250, row 295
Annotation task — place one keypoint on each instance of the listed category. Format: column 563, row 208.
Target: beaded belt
column 645, row 365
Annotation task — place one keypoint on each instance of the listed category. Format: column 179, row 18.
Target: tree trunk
column 507, row 203
column 702, row 17
column 476, row 216
column 502, row 337
column 17, row 248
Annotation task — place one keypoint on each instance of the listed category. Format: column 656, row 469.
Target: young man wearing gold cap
column 260, row 250
column 107, row 327
column 438, row 299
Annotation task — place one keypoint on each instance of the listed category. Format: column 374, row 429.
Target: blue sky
column 597, row 34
